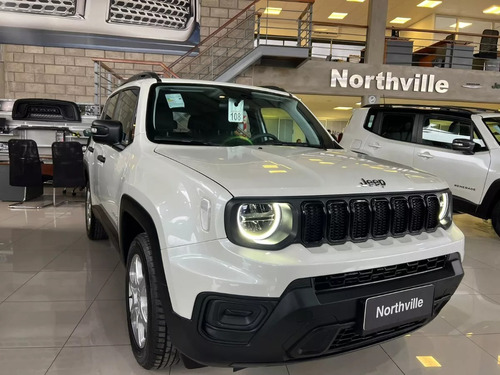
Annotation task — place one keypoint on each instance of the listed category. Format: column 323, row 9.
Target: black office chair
column 25, row 170
column 488, row 45
column 67, row 159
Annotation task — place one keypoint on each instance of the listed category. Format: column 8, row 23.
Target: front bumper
column 309, row 319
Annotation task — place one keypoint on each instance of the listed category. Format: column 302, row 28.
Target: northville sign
column 386, row 81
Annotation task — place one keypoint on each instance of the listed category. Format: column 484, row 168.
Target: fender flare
column 131, row 207
column 490, row 198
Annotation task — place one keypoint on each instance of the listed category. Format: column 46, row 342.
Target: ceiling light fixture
column 494, row 9
column 337, row 16
column 343, row 108
column 429, row 4
column 273, row 11
column 461, row 25
column 356, row 1
column 400, row 20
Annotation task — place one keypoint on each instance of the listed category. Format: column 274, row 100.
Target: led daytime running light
column 262, row 236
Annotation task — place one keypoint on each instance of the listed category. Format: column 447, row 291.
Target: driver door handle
column 101, row 158
column 425, row 155
column 375, row 145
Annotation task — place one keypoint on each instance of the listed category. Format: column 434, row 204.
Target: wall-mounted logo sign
column 386, row 81
column 496, row 86
column 470, row 85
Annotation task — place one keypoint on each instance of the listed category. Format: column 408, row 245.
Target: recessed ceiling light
column 494, row 9
column 273, row 11
column 356, row 1
column 429, row 4
column 461, row 25
column 337, row 16
column 400, row 20
column 358, row 103
column 343, row 108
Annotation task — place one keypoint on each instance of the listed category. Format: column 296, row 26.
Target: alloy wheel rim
column 138, row 301
column 88, row 208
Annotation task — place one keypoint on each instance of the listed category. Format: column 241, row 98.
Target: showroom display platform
column 62, row 299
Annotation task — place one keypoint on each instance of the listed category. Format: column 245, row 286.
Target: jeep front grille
column 61, row 8
column 172, row 14
column 341, row 220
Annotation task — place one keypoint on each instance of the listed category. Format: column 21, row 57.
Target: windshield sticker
column 235, row 110
column 175, row 100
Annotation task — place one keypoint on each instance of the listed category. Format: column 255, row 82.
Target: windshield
column 230, row 116
column 493, row 123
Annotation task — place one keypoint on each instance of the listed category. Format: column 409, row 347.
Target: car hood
column 297, row 171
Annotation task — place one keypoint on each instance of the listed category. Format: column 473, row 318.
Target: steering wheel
column 263, row 135
column 237, row 141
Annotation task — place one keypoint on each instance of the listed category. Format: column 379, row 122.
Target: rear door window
column 395, row 126
column 440, row 131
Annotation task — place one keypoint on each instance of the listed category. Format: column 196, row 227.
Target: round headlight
column 258, row 221
column 445, row 211
column 443, row 205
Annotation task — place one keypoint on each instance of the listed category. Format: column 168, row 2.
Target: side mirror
column 464, row 145
column 107, row 132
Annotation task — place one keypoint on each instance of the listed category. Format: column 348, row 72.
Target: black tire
column 95, row 230
column 495, row 218
column 156, row 351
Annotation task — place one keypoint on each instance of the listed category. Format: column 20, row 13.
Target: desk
column 445, row 54
column 398, row 51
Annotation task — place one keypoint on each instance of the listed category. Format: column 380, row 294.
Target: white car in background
column 460, row 145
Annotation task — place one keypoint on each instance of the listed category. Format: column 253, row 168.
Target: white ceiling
column 358, row 12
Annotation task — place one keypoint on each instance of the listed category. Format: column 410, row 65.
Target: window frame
column 134, row 116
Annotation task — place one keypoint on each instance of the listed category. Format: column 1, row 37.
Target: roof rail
column 433, row 107
column 143, row 75
column 274, row 88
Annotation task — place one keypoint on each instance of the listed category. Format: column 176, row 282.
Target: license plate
column 394, row 309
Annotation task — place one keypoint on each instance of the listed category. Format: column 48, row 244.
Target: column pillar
column 375, row 37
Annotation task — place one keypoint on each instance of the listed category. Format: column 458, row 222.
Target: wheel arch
column 490, row 198
column 135, row 219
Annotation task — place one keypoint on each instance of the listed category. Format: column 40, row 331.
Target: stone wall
column 68, row 73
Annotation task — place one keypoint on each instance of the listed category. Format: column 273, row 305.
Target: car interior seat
column 164, row 122
column 392, row 129
column 201, row 126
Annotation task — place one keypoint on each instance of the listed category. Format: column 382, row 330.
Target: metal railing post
column 258, row 30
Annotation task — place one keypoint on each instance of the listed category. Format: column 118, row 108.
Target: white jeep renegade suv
column 459, row 145
column 250, row 237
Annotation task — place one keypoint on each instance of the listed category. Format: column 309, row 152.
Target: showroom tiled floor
column 62, row 309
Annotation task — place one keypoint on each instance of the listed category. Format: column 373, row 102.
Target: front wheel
column 495, row 218
column 146, row 321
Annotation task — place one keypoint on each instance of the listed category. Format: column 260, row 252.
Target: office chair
column 67, row 159
column 25, row 170
column 488, row 45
